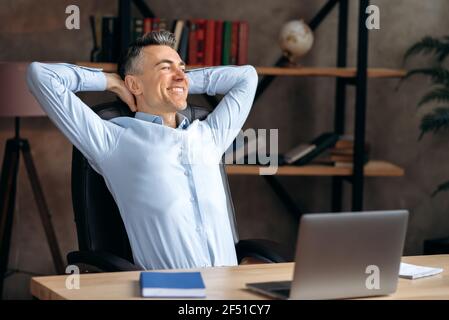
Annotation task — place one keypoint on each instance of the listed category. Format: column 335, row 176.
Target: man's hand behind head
column 117, row 85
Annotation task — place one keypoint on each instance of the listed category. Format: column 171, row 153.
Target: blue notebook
column 172, row 284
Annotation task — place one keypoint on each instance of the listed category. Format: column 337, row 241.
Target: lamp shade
column 16, row 99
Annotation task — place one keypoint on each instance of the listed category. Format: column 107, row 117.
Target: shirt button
column 186, row 173
column 192, row 199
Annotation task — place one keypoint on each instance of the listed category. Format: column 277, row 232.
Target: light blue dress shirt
column 166, row 182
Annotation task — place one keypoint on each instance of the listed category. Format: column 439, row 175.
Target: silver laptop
column 344, row 255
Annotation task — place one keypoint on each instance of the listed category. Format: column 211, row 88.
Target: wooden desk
column 229, row 282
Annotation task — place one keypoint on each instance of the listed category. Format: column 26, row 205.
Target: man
column 162, row 171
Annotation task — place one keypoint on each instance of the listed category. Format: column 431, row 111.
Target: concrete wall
column 300, row 107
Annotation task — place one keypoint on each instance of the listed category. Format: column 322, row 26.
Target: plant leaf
column 443, row 51
column 439, row 75
column 442, row 187
column 435, row 121
column 440, row 94
column 438, row 47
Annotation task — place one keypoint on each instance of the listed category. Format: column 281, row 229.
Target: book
column 305, row 153
column 341, row 158
column 200, row 41
column 342, row 154
column 226, row 43
column 177, row 31
column 242, row 57
column 192, row 45
column 218, row 50
column 172, row 284
column 184, row 43
column 109, row 43
column 345, row 141
column 234, row 43
column 410, row 271
column 210, row 43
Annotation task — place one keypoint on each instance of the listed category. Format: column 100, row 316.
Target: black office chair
column 102, row 239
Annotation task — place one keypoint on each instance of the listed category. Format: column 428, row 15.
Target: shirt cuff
column 93, row 79
column 197, row 80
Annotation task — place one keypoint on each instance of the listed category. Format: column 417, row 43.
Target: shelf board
column 373, row 168
column 330, row 72
column 296, row 71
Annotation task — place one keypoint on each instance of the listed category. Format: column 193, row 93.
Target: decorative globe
column 295, row 39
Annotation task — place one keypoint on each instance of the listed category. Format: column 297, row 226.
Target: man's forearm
column 54, row 85
column 221, row 80
column 72, row 77
column 238, row 84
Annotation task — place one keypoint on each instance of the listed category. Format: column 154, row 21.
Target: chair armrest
column 264, row 250
column 99, row 261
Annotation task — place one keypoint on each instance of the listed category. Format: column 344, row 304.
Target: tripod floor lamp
column 15, row 102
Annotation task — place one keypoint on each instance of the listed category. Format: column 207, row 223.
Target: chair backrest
column 98, row 221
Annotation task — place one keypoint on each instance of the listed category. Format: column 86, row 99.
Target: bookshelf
column 345, row 76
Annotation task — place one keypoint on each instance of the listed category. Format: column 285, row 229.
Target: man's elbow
column 251, row 75
column 32, row 75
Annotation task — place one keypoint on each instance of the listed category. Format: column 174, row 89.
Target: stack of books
column 199, row 42
column 342, row 154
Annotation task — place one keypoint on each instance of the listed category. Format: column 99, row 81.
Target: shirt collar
column 181, row 120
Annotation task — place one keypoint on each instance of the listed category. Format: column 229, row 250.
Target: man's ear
column 133, row 85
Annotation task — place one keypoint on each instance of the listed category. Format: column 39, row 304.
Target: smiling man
column 172, row 202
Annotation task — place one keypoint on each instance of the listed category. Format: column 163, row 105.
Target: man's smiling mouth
column 177, row 89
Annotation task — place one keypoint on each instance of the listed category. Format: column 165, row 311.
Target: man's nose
column 179, row 74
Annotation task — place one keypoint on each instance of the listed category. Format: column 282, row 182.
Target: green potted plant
column 437, row 119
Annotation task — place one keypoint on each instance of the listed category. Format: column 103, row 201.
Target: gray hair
column 131, row 61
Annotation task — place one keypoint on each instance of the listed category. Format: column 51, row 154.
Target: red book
column 200, row 41
column 218, row 42
column 210, row 43
column 147, row 25
column 192, row 43
column 242, row 57
column 234, row 42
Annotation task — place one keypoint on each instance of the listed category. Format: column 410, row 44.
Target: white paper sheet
column 411, row 271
